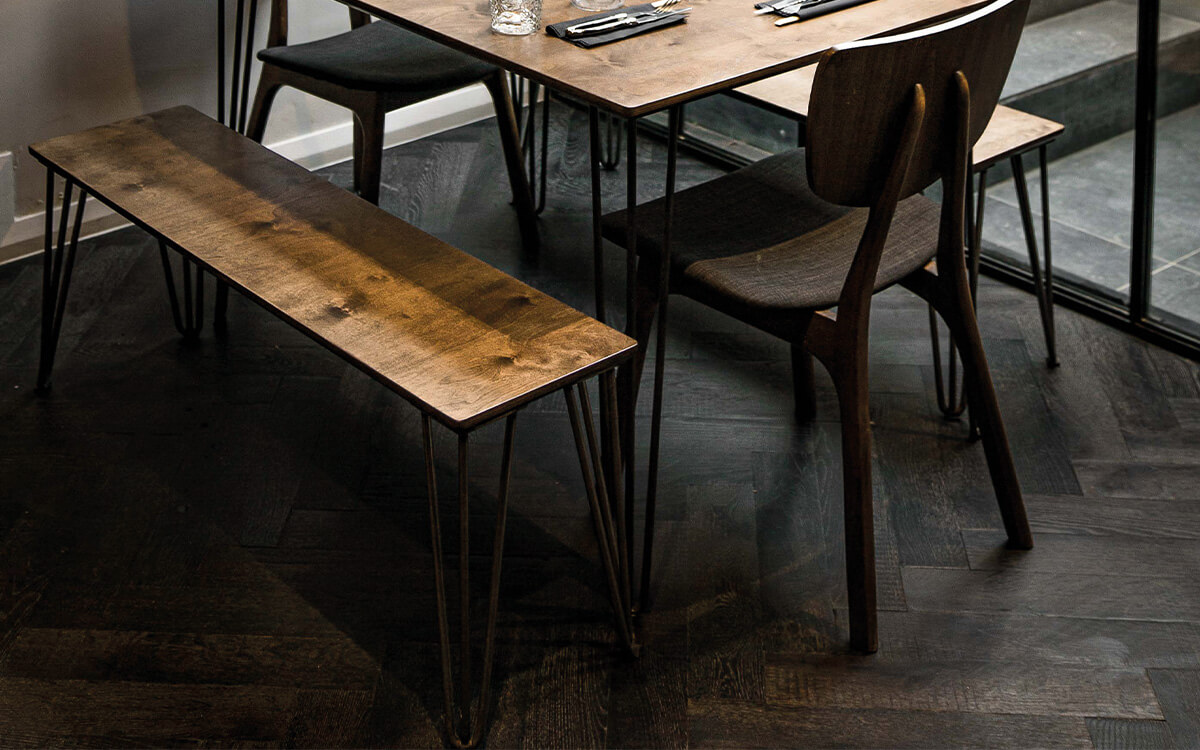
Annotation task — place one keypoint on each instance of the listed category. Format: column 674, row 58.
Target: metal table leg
column 57, row 265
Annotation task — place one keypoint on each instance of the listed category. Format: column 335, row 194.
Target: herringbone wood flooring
column 227, row 544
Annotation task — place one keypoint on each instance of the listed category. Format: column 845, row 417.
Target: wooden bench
column 463, row 342
column 1010, row 134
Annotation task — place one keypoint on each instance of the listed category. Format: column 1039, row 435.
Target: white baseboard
column 311, row 150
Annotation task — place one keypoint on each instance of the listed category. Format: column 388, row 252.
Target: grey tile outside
column 1092, row 190
column 1082, row 39
column 1191, row 261
column 1177, row 290
column 1077, row 252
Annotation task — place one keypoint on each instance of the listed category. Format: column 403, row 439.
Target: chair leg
column 959, row 314
column 510, row 141
column 357, row 157
column 369, row 169
column 264, row 97
column 853, row 401
column 803, row 385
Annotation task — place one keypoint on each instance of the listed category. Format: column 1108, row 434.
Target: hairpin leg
column 57, row 265
column 190, row 322
column 464, row 727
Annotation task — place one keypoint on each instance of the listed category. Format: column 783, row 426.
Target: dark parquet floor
column 226, row 544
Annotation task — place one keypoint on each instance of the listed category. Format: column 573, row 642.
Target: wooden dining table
column 722, row 45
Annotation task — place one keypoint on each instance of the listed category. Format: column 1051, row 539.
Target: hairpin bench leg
column 191, row 320
column 57, row 265
column 464, row 728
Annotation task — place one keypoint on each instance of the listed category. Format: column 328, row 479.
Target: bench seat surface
column 460, row 339
column 1009, row 132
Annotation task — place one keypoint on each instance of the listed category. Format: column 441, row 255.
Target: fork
column 661, row 7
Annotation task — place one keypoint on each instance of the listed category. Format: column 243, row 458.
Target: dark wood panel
column 910, row 637
column 1179, row 693
column 1153, row 519
column 1130, row 734
column 1114, row 555
column 1056, row 593
column 1137, row 479
column 1057, row 690
column 190, row 658
column 734, row 725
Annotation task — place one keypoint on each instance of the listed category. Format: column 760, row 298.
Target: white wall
column 66, row 65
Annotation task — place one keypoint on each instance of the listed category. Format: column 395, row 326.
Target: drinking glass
column 516, row 17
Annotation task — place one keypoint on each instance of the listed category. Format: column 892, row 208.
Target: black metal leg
column 611, row 158
column 536, row 170
column 190, row 321
column 604, row 516
column 464, row 728
column 57, row 265
column 1040, row 287
column 951, row 389
column 239, row 98
column 597, row 238
column 631, row 373
column 1048, row 269
column 659, row 356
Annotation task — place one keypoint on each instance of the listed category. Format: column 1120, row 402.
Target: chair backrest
column 863, row 92
column 278, row 31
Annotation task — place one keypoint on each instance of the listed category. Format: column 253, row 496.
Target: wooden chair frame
column 926, row 139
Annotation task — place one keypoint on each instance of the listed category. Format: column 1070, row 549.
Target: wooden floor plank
column 1179, row 693
column 1056, row 690
column 951, row 637
column 1153, row 519
column 1160, row 558
column 1130, row 734
column 297, row 662
column 714, row 724
column 1060, row 594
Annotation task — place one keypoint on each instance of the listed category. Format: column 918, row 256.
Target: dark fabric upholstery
column 381, row 56
column 759, row 237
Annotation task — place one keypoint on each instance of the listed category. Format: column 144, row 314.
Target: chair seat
column 760, row 238
column 381, row 57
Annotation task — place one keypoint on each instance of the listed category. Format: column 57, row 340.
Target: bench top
column 461, row 340
column 1009, row 132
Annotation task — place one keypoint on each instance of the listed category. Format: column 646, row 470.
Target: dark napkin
column 595, row 40
column 811, row 11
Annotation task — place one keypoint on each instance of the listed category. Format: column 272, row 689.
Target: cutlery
column 661, row 7
column 781, row 6
column 625, row 19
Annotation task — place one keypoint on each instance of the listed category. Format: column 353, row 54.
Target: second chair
column 373, row 69
column 798, row 243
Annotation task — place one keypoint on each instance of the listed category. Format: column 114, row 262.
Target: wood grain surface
column 455, row 336
column 723, row 44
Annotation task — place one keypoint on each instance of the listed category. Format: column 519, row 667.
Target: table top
column 722, row 45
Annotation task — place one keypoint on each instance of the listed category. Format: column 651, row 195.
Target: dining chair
column 797, row 244
column 371, row 70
